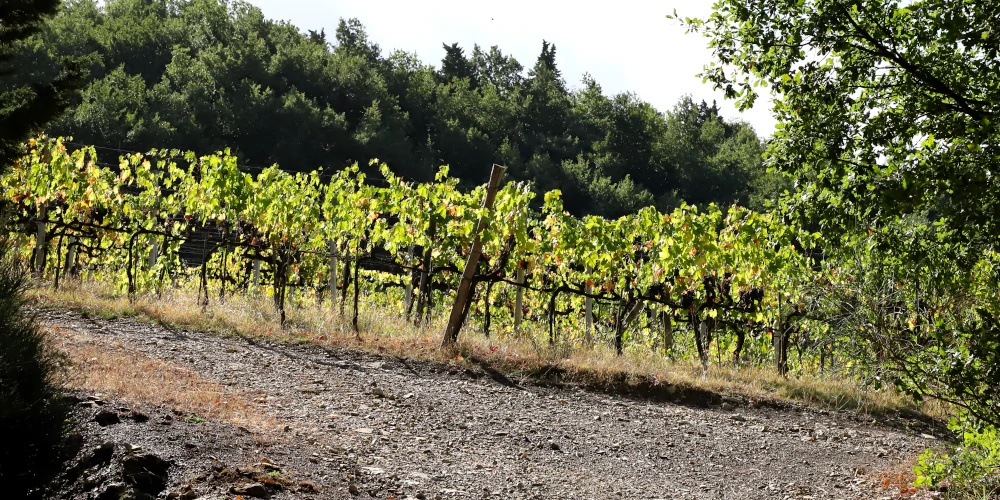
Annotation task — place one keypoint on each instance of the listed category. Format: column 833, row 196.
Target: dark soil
column 145, row 451
column 358, row 426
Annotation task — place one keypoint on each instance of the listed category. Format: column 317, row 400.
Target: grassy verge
column 133, row 376
column 385, row 332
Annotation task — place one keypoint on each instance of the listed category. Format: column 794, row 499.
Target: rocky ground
column 347, row 425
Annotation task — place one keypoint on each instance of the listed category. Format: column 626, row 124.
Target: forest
column 208, row 75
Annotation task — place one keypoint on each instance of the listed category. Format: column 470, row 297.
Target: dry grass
column 135, row 377
column 385, row 332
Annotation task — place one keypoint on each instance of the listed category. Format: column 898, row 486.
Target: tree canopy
column 27, row 100
column 887, row 109
column 203, row 75
column 888, row 114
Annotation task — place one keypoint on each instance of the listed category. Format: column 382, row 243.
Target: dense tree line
column 208, row 74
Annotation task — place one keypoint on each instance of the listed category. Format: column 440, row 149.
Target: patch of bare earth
column 112, row 368
column 352, row 425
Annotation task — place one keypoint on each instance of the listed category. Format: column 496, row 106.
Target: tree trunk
column 223, row 269
column 289, row 286
column 700, row 333
column 279, row 290
column 203, row 282
column 164, row 269
column 782, row 354
column 71, row 255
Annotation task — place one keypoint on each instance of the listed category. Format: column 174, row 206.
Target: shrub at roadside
column 971, row 470
column 32, row 411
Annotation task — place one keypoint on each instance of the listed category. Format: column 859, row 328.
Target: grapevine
column 708, row 268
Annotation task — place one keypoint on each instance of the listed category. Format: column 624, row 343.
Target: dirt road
column 358, row 426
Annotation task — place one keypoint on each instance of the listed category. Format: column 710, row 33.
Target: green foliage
column 203, row 75
column 690, row 263
column 928, row 327
column 32, row 411
column 29, row 98
column 971, row 470
column 888, row 115
column 886, row 108
column 32, row 414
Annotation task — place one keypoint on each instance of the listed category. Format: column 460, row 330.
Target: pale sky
column 627, row 45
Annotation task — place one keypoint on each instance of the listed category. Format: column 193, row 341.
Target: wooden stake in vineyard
column 333, row 276
column 71, row 255
column 519, row 298
column 465, row 287
column 40, row 241
column 425, row 287
column 588, row 306
column 256, row 274
column 154, row 252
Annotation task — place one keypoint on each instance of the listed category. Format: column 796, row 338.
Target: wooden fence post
column 408, row 294
column 519, row 299
column 668, row 331
column 154, row 252
column 288, row 286
column 704, row 333
column 40, row 242
column 256, row 273
column 425, row 286
column 333, row 276
column 589, row 314
column 71, row 255
column 465, row 286
column 778, row 340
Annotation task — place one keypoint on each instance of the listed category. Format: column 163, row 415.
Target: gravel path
column 360, row 427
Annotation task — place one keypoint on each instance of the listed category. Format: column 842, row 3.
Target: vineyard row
column 165, row 215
